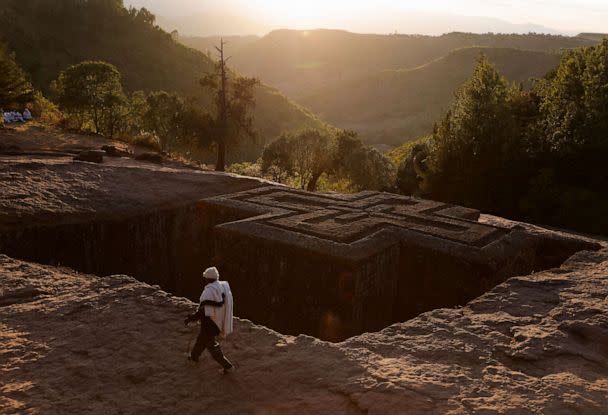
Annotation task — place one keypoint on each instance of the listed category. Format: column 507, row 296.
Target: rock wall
column 167, row 247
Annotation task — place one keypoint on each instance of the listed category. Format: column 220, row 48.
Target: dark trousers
column 207, row 340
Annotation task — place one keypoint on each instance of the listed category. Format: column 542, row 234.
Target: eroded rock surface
column 73, row 343
column 39, row 190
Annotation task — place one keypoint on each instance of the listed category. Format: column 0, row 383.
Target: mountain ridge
column 299, row 62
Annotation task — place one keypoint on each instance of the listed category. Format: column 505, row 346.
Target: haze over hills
column 231, row 23
column 301, row 63
column 393, row 106
column 389, row 88
column 434, row 17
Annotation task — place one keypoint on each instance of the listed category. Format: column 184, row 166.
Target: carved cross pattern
column 349, row 218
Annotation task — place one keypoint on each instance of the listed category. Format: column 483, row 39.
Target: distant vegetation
column 48, row 36
column 536, row 155
column 390, row 107
column 596, row 37
column 390, row 88
column 15, row 90
column 317, row 160
column 302, row 63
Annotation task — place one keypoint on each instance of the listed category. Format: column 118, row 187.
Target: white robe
column 221, row 316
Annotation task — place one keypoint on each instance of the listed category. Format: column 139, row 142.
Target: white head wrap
column 211, row 274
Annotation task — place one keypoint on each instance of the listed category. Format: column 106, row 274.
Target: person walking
column 215, row 313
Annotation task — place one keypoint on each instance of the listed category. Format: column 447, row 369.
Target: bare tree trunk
column 222, row 113
column 95, row 120
column 312, row 184
column 220, row 165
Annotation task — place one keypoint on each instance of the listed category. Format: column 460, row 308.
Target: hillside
column 394, row 106
column 596, row 37
column 48, row 36
column 301, row 63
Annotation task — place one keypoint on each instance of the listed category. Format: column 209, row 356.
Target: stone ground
column 40, row 189
column 73, row 343
column 37, row 137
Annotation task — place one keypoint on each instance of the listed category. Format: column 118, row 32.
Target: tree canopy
column 472, row 144
column 162, row 117
column 91, row 91
column 310, row 154
column 305, row 154
column 15, row 89
column 364, row 166
column 537, row 155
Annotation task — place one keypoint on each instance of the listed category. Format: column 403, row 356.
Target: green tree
column 574, row 100
column 413, row 169
column 91, row 92
column 234, row 99
column 114, row 115
column 194, row 126
column 364, row 166
column 137, row 108
column 277, row 160
column 306, row 155
column 162, row 117
column 568, row 186
column 469, row 161
column 14, row 87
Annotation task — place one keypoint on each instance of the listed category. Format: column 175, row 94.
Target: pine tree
column 472, row 142
column 14, row 87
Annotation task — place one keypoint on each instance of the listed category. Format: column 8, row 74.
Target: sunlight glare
column 310, row 13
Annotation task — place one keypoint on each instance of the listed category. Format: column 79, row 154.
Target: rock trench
column 331, row 266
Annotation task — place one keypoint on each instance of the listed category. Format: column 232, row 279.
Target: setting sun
column 312, row 13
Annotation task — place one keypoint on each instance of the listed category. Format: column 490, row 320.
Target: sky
column 566, row 16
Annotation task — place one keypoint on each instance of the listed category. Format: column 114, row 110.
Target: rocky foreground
column 73, row 343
